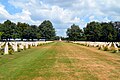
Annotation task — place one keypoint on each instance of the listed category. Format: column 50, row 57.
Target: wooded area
column 10, row 30
column 95, row 31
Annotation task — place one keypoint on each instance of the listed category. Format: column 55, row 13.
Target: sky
column 62, row 13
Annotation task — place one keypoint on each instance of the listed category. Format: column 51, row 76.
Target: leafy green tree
column 23, row 30
column 26, row 31
column 38, row 35
column 110, row 37
column 74, row 33
column 8, row 28
column 109, row 32
column 31, row 32
column 93, row 31
column 1, row 33
column 46, row 30
column 117, row 26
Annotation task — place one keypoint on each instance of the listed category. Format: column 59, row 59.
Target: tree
column 109, row 32
column 74, row 33
column 46, row 30
column 93, row 31
column 9, row 29
column 26, row 31
column 23, row 30
column 1, row 33
column 117, row 26
column 38, row 35
column 34, row 32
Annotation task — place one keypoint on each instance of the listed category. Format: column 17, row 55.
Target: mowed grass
column 27, row 64
column 60, row 61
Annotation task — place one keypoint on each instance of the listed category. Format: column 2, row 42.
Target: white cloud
column 91, row 18
column 41, row 10
column 3, row 13
column 24, row 16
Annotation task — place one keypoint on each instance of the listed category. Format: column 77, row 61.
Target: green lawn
column 60, row 61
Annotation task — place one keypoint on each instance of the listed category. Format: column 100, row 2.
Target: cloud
column 3, row 13
column 24, row 16
column 40, row 11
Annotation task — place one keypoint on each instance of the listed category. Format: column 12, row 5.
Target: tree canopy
column 74, row 33
column 93, row 31
column 10, row 30
column 46, row 30
column 96, row 31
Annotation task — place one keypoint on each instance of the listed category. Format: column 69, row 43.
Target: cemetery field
column 60, row 61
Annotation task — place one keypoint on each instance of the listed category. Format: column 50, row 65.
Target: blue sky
column 62, row 13
column 10, row 8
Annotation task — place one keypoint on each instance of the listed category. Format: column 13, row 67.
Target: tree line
column 10, row 30
column 95, row 31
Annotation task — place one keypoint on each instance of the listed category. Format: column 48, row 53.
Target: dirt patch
column 60, row 67
column 75, row 62
column 97, row 63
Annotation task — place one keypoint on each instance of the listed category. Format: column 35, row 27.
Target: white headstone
column 36, row 44
column 115, row 45
column 6, row 48
column 26, row 45
column 110, row 44
column 15, row 46
column 21, row 46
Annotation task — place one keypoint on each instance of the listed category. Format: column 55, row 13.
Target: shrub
column 33, row 45
column 41, row 44
column 19, row 50
column 99, row 48
column 11, row 51
column 38, row 44
column 29, row 46
column 87, row 45
column 82, row 44
column 119, row 49
column 2, row 51
column 24, row 48
column 114, row 51
column 105, row 49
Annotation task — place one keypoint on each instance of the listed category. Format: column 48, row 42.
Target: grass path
column 60, row 61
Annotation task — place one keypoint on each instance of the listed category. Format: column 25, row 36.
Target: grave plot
column 11, row 47
column 61, row 61
column 105, row 46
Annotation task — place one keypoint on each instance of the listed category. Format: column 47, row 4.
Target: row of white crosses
column 100, row 44
column 21, row 45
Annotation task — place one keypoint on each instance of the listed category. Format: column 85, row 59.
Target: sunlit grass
column 60, row 61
